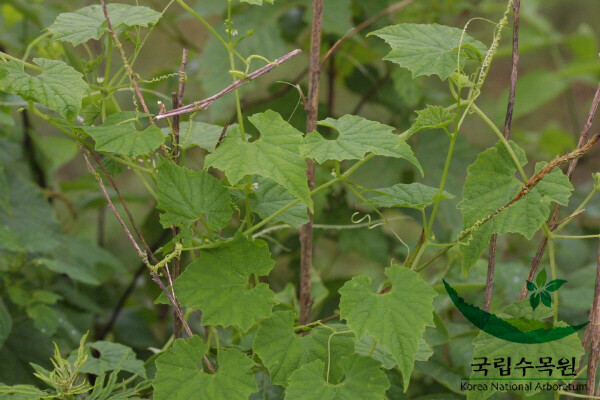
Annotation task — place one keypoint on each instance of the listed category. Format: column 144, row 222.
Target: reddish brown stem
column 312, row 108
column 555, row 214
column 592, row 337
column 489, row 285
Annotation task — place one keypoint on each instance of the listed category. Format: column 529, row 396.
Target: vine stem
column 312, row 107
column 489, row 285
column 207, row 102
column 534, row 180
column 535, row 262
column 143, row 255
column 130, row 72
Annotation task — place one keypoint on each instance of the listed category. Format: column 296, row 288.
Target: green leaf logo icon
column 541, row 291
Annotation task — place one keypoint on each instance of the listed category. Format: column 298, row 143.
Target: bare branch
column 204, row 104
column 143, row 255
column 312, row 107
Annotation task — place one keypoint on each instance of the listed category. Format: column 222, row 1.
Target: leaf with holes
column 408, row 309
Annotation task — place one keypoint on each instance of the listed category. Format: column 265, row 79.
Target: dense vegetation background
column 73, row 270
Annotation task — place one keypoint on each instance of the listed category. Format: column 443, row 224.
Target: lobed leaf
column 431, row 117
column 490, row 184
column 407, row 307
column 283, row 351
column 274, row 155
column 187, row 196
column 58, row 87
column 429, row 49
column 362, row 380
column 357, row 137
column 125, row 139
column 179, row 374
column 217, row 283
column 89, row 22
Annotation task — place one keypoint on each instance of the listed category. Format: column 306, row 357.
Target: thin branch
column 178, row 102
column 312, row 107
column 592, row 335
column 489, row 285
column 125, row 62
column 389, row 10
column 204, row 104
column 367, row 22
column 143, row 255
column 555, row 214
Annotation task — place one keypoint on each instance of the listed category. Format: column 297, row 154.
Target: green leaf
column 44, row 318
column 73, row 271
column 431, row 117
column 199, row 134
column 414, row 195
column 5, row 323
column 187, row 196
column 125, row 139
column 493, row 348
column 283, row 351
column 362, row 380
column 531, row 286
column 490, row 184
column 31, row 224
column 364, row 347
column 408, row 309
column 541, row 278
column 270, row 197
column 217, row 283
column 179, row 374
column 546, row 299
column 89, row 22
column 357, row 137
column 21, row 392
column 112, row 356
column 59, row 87
column 274, row 155
column 555, row 185
column 534, row 300
column 554, row 285
column 429, row 49
column 4, row 192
